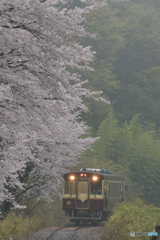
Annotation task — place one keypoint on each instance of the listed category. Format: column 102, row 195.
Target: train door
column 82, row 194
column 105, row 185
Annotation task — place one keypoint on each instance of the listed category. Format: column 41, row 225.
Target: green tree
column 128, row 56
column 127, row 70
column 107, row 132
column 133, row 150
column 141, row 53
column 145, row 166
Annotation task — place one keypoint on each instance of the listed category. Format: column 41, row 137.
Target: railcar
column 89, row 195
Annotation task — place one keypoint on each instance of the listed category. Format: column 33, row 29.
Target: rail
column 66, row 226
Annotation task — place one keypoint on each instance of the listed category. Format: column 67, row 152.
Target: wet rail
column 66, row 227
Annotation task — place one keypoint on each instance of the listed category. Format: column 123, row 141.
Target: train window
column 96, row 188
column 70, row 187
column 83, row 187
column 115, row 190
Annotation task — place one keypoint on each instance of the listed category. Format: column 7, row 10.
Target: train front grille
column 82, row 205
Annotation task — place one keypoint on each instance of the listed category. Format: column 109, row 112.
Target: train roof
column 98, row 170
column 103, row 172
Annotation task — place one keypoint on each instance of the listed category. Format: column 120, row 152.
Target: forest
column 102, row 109
column 127, row 71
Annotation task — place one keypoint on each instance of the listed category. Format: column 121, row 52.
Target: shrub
column 14, row 224
column 133, row 215
column 21, row 224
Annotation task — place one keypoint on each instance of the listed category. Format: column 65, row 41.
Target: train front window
column 83, row 187
column 70, row 187
column 96, row 188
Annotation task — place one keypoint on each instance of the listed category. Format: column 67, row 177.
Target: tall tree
column 128, row 55
column 40, row 108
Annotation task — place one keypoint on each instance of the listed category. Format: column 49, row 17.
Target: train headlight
column 72, row 177
column 94, row 178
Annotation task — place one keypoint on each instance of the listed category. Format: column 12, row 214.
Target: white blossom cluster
column 40, row 101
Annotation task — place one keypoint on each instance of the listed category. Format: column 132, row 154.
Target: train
column 90, row 195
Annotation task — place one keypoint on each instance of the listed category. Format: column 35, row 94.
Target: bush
column 21, row 224
column 133, row 215
column 14, row 224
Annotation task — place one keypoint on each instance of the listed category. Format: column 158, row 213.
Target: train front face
column 83, row 196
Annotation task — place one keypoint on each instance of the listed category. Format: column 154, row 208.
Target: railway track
column 51, row 236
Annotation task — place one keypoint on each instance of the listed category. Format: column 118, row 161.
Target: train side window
column 114, row 190
column 70, row 187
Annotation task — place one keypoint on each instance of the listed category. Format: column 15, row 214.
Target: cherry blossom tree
column 40, row 100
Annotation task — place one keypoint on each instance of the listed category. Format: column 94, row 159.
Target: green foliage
column 103, row 78
column 151, row 3
column 96, row 112
column 127, row 69
column 149, row 105
column 13, row 224
column 133, row 215
column 141, row 52
column 132, row 150
column 117, row 143
column 145, row 166
column 107, row 132
column 108, row 28
column 128, row 56
column 34, row 218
